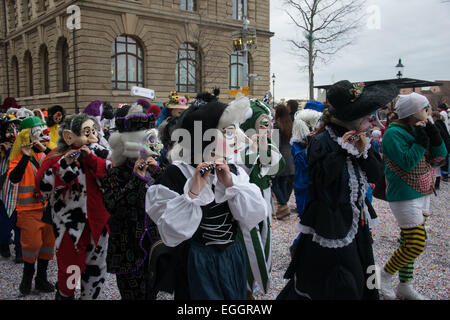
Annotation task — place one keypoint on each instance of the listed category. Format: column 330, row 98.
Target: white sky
column 417, row 31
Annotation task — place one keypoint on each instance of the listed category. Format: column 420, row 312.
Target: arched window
column 188, row 5
column 28, row 63
column 188, row 68
column 45, row 74
column 237, row 70
column 63, row 65
column 15, row 74
column 127, row 63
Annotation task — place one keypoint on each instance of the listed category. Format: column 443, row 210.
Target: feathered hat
column 351, row 101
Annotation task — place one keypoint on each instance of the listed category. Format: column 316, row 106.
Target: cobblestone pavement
column 431, row 268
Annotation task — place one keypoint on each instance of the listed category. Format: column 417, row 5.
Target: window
column 188, row 68
column 28, row 62
column 238, row 9
column 63, row 65
column 237, row 70
column 15, row 73
column 127, row 64
column 45, row 74
column 188, row 5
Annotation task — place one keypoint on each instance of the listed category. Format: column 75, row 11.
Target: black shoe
column 41, row 283
column 27, row 278
column 4, row 251
column 59, row 296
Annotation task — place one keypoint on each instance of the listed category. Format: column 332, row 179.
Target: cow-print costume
column 79, row 218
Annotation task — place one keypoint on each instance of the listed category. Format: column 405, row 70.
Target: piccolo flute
column 208, row 168
column 73, row 155
column 26, row 145
column 143, row 164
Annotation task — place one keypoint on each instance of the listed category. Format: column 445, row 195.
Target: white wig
column 305, row 121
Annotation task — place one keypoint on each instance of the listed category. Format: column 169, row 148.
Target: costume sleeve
column 372, row 165
column 176, row 215
column 17, row 169
column 396, row 147
column 97, row 165
column 245, row 200
column 68, row 173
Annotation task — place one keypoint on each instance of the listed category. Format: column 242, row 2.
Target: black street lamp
column 400, row 68
column 273, row 90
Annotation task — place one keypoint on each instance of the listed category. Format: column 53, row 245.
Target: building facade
column 73, row 52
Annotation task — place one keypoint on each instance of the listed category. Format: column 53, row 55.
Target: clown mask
column 229, row 142
column 57, row 117
column 264, row 125
column 40, row 133
column 11, row 132
column 87, row 135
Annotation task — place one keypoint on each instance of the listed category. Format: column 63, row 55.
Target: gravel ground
column 431, row 268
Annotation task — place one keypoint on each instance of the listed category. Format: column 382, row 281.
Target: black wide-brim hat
column 351, row 101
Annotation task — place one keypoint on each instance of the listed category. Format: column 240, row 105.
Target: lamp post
column 400, row 68
column 245, row 41
column 273, row 90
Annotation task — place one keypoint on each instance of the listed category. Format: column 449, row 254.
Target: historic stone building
column 165, row 45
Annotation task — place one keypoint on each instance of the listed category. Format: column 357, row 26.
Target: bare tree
column 328, row 27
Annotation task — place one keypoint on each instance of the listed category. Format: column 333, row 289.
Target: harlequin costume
column 334, row 252
column 211, row 262
column 260, row 167
column 36, row 237
column 409, row 152
column 78, row 213
column 133, row 234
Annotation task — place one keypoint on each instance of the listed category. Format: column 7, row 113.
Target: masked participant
column 56, row 115
column 261, row 160
column 201, row 199
column 411, row 146
column 20, row 113
column 96, row 109
column 8, row 191
column 132, row 232
column 334, row 257
column 27, row 155
column 70, row 178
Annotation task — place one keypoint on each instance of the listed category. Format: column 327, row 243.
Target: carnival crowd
column 147, row 193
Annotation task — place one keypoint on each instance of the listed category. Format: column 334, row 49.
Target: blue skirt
column 217, row 274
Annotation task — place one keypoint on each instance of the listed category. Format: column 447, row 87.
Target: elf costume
column 260, row 168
